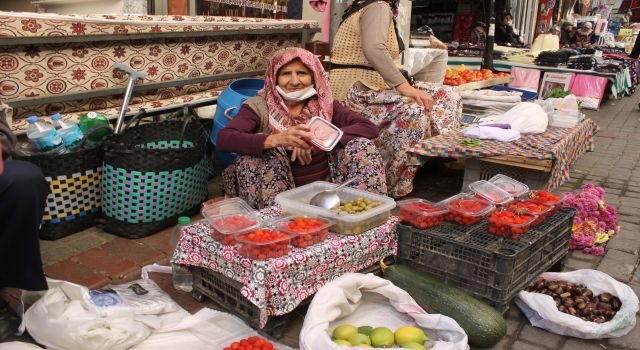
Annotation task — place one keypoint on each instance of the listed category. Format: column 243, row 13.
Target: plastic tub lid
column 325, row 135
column 423, row 206
column 287, row 225
column 490, row 192
column 516, row 205
column 245, row 237
column 534, row 196
column 513, row 187
column 475, row 206
column 532, row 216
column 230, row 216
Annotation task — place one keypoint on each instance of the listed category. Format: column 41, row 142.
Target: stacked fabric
column 490, row 101
column 552, row 58
column 583, row 62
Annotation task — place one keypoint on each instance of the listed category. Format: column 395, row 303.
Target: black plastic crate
column 490, row 267
column 225, row 292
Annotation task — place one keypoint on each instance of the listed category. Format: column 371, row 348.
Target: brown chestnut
column 605, row 297
column 562, row 308
column 552, row 285
column 572, row 311
column 615, row 303
column 604, row 306
column 599, row 319
column 581, row 305
column 565, row 295
column 580, row 299
column 587, row 293
column 558, row 290
column 568, row 302
column 575, row 291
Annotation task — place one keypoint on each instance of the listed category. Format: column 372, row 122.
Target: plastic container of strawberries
column 513, row 187
column 510, row 223
column 541, row 210
column 544, row 197
column 229, row 217
column 304, row 230
column 466, row 209
column 421, row 213
column 263, row 243
column 490, row 192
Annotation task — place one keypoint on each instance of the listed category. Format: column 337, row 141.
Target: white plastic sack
column 359, row 300
column 541, row 310
column 16, row 345
column 64, row 318
column 526, row 117
column 145, row 297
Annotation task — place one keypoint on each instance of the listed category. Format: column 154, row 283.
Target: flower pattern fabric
column 276, row 286
column 258, row 180
column 402, row 124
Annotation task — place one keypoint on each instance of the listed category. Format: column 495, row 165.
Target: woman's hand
column 421, row 97
column 296, row 136
column 302, row 155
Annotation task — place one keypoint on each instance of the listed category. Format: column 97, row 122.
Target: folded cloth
column 492, row 95
column 491, row 133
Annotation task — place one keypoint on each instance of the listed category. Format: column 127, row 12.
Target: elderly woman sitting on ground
column 272, row 139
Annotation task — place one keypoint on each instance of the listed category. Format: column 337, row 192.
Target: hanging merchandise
column 545, row 15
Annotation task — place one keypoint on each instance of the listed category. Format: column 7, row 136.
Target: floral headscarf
column 321, row 105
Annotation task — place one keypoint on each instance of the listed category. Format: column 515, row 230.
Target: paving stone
column 575, row 264
column 85, row 242
column 57, row 254
column 612, row 185
column 580, row 255
column 627, row 245
column 631, row 341
column 513, row 324
column 618, row 264
column 519, row 345
column 77, row 273
column 100, row 259
column 137, row 252
column 503, row 344
column 539, row 336
column 160, row 241
column 581, row 344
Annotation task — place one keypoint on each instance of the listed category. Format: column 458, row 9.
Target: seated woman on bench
column 272, row 139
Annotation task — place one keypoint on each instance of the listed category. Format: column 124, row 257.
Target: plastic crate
column 487, row 266
column 225, row 292
column 477, row 169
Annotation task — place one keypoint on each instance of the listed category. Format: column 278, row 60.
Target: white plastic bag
column 360, row 300
column 526, row 117
column 541, row 310
column 145, row 297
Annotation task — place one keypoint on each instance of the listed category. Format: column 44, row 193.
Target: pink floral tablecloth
column 276, row 286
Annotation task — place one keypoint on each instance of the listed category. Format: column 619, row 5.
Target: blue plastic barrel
column 229, row 102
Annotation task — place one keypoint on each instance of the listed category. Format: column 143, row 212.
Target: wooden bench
column 64, row 64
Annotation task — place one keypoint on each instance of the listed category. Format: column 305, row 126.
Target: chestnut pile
column 578, row 300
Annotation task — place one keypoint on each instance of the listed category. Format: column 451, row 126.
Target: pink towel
column 525, row 78
column 323, row 6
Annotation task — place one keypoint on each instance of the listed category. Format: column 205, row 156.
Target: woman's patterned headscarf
column 321, row 105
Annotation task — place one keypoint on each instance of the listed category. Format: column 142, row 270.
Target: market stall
column 562, row 146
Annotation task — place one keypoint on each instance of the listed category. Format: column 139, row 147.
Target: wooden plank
column 522, row 162
column 485, row 83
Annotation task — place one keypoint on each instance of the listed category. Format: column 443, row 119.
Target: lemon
column 344, row 332
column 359, row 339
column 342, row 342
column 364, row 346
column 410, row 334
column 366, row 330
column 382, row 337
column 414, row 346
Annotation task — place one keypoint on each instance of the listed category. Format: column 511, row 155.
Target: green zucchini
column 482, row 323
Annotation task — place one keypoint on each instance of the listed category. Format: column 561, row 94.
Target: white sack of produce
column 526, row 117
column 360, row 300
column 65, row 319
column 542, row 312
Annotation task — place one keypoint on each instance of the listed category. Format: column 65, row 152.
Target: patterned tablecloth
column 560, row 144
column 276, row 286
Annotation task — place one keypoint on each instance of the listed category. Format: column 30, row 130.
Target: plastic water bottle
column 69, row 131
column 182, row 278
column 44, row 135
column 89, row 121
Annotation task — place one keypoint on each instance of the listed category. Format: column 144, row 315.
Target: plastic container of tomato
column 510, row 223
column 325, row 135
column 421, row 213
column 491, row 192
column 304, row 230
column 263, row 243
column 541, row 210
column 229, row 217
column 513, row 187
column 547, row 198
column 466, row 209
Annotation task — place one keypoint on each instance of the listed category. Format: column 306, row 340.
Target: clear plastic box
column 296, row 201
column 421, row 213
column 510, row 230
column 542, row 196
column 304, row 230
column 513, row 187
column 466, row 210
column 228, row 217
column 491, row 192
column 325, row 135
column 543, row 211
column 254, row 245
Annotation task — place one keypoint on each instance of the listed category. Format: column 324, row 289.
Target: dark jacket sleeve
column 240, row 136
column 7, row 137
column 353, row 124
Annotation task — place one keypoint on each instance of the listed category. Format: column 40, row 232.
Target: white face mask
column 297, row 96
